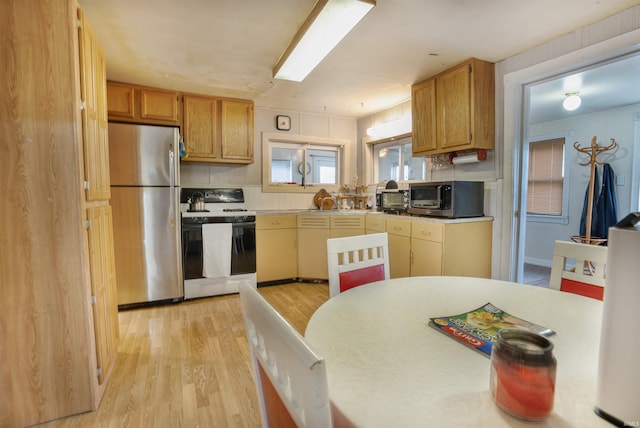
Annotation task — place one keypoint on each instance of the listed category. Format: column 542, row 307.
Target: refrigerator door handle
column 172, row 183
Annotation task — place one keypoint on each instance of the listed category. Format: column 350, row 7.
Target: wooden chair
column 357, row 260
column 291, row 379
column 587, row 278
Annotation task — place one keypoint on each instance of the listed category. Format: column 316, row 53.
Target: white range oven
column 218, row 242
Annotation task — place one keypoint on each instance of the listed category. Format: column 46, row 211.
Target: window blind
column 546, row 175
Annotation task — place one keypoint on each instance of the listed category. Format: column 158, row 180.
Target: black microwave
column 392, row 200
column 452, row 199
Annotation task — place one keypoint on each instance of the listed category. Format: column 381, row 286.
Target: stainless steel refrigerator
column 145, row 198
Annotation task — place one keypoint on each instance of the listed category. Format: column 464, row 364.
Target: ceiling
column 229, row 47
column 602, row 87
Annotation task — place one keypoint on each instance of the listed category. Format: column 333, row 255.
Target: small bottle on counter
column 523, row 374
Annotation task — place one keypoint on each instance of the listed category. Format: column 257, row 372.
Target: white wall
column 616, row 123
column 249, row 177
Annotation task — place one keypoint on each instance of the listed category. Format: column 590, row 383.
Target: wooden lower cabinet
column 375, row 224
column 466, row 249
column 276, row 248
column 451, row 249
column 295, row 246
column 426, row 257
column 347, row 225
column 399, row 233
column 103, row 287
column 313, row 232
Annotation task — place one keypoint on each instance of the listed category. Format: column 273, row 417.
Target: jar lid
column 525, row 346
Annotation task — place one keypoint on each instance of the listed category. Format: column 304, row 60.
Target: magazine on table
column 478, row 328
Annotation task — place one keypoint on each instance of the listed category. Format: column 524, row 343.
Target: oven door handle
column 243, row 224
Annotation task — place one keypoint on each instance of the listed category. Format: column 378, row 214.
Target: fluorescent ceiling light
column 572, row 101
column 328, row 23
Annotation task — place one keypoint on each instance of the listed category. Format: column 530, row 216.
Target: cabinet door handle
column 397, row 228
column 425, row 233
column 277, row 222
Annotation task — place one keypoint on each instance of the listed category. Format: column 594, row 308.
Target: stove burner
column 232, row 210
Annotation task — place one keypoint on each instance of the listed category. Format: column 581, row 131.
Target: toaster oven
column 392, row 200
column 450, row 199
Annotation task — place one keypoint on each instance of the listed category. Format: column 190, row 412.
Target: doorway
column 610, row 109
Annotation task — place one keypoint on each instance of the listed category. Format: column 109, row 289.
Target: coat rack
column 593, row 152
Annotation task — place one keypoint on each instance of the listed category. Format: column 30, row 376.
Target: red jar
column 523, row 374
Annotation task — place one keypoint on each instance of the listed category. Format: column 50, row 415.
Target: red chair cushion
column 354, row 278
column 582, row 289
column 277, row 413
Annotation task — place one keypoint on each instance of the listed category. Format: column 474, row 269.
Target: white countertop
column 387, row 367
column 373, row 212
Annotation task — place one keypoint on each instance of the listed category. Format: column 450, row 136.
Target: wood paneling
column 46, row 369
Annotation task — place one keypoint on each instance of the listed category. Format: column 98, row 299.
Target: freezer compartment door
column 143, row 155
column 147, row 244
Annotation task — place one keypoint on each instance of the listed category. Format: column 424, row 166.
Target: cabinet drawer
column 347, row 222
column 398, row 227
column 276, row 222
column 376, row 223
column 427, row 231
column 313, row 221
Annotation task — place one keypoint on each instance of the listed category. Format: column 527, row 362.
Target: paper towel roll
column 458, row 160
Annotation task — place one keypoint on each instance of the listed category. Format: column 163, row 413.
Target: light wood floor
column 187, row 364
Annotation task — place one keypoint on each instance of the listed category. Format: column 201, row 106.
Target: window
column 546, row 191
column 303, row 164
column 393, row 161
column 293, row 163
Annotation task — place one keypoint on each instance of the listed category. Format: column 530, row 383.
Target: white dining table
column 387, row 367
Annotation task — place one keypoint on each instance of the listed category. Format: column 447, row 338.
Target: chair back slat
column 283, row 362
column 367, row 256
column 589, row 270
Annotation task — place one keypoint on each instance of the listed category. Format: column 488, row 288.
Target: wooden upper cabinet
column 200, row 128
column 158, row 105
column 218, row 130
column 95, row 147
column 120, row 100
column 423, row 106
column 455, row 110
column 94, row 123
column 139, row 104
column 215, row 130
column 236, row 128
